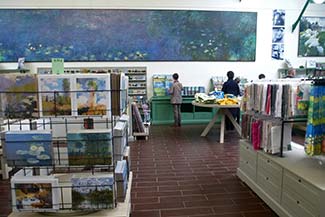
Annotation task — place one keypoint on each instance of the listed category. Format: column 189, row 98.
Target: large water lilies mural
column 127, row 35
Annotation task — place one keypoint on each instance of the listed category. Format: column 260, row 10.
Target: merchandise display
column 161, row 84
column 216, row 97
column 65, row 159
column 121, row 176
column 278, row 98
column 192, row 90
column 74, row 94
column 265, row 133
column 315, row 132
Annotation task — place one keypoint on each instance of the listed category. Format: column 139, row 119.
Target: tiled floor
column 178, row 173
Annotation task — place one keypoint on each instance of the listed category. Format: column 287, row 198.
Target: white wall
column 199, row 73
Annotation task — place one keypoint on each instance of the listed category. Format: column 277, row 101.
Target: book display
column 65, row 153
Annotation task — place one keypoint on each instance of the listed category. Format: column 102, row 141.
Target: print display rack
column 137, row 88
column 70, row 150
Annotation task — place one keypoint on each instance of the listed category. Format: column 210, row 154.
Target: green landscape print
column 55, row 96
column 93, row 193
column 89, row 147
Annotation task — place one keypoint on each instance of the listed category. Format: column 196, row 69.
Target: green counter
column 162, row 111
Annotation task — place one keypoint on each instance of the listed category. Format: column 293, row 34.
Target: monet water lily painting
column 28, row 148
column 312, row 36
column 127, row 35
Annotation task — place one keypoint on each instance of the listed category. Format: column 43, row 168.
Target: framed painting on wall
column 312, row 37
column 127, row 35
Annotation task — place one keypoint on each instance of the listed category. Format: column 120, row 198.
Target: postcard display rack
column 292, row 185
column 68, row 143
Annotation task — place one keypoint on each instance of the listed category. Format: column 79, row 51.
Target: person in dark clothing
column 231, row 87
column 261, row 76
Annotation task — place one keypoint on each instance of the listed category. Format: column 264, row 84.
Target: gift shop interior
column 162, row 109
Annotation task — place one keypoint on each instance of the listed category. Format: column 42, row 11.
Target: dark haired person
column 231, row 87
column 176, row 99
column 261, row 76
column 291, row 73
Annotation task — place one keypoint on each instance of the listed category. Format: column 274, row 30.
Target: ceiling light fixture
column 318, row 1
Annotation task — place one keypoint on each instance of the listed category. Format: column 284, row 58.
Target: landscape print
column 92, row 96
column 55, row 93
column 32, row 148
column 127, row 35
column 18, row 95
column 92, row 193
column 33, row 196
column 312, row 37
column 90, row 147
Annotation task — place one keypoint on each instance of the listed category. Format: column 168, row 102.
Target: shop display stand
column 61, row 165
column 292, row 184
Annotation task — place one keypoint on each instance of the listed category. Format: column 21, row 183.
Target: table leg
column 233, row 121
column 222, row 127
column 210, row 125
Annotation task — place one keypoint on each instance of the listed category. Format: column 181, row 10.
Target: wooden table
column 223, row 111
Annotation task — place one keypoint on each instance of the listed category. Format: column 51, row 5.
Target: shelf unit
column 293, row 186
column 162, row 111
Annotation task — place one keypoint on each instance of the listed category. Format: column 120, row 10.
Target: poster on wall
column 127, row 35
column 311, row 37
column 278, row 31
column 278, row 51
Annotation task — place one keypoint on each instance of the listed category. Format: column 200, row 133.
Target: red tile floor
column 178, row 173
